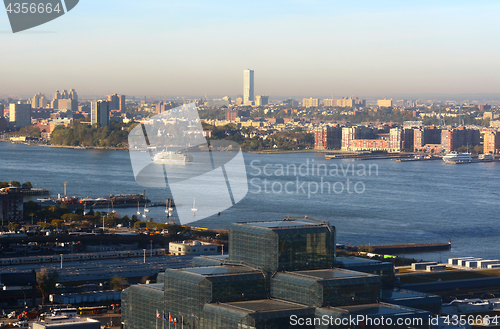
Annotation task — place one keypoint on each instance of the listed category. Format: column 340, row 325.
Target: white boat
column 457, row 157
column 194, row 209
column 486, row 157
column 170, row 157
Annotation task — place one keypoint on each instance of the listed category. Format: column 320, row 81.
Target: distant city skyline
column 299, row 48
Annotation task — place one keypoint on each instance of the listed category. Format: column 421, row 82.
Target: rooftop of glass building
column 265, row 305
column 381, row 309
column 218, row 270
column 287, row 222
column 331, row 273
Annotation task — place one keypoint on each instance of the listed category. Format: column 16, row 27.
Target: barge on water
column 407, row 248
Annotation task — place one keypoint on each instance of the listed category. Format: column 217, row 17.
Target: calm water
column 393, row 203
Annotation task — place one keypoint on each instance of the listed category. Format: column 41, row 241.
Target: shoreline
column 109, row 148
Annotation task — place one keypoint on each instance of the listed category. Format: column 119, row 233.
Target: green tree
column 57, row 223
column 15, row 183
column 118, row 283
column 27, row 185
column 46, row 282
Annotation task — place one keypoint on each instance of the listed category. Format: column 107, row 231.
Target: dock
column 406, row 248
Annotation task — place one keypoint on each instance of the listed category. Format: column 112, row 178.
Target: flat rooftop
column 381, row 309
column 331, row 273
column 351, row 260
column 265, row 305
column 219, row 270
column 286, row 223
column 402, row 294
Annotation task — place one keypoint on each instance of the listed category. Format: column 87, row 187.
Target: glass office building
column 275, row 270
column 287, row 245
column 256, row 314
column 330, row 287
column 188, row 290
column 140, row 304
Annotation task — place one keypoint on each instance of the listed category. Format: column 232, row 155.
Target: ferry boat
column 457, row 157
column 169, row 157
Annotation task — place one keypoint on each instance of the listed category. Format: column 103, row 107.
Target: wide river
column 369, row 202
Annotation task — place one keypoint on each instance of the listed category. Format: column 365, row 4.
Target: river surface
column 369, row 202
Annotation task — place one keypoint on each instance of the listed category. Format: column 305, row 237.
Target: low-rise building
column 192, row 248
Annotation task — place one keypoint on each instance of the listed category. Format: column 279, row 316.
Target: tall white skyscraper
column 248, row 91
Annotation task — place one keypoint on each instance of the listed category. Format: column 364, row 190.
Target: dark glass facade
column 187, row 291
column 140, row 304
column 330, row 287
column 283, row 246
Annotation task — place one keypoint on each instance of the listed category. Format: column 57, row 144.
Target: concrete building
column 68, row 323
column 232, row 115
column 261, row 100
column 39, row 101
column 349, row 102
column 20, row 115
column 352, row 133
column 248, row 87
column 99, row 113
column 192, row 248
column 11, row 205
column 67, row 104
column 164, row 106
column 114, row 102
column 491, row 142
column 310, row 102
column 327, row 138
column 384, row 102
column 1, row 110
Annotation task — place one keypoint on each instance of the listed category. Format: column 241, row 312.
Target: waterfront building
column 20, row 115
column 352, row 133
column 491, row 142
column 248, row 87
column 327, row 138
column 99, row 113
column 275, row 270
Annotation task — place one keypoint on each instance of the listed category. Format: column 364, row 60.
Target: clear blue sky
column 296, row 47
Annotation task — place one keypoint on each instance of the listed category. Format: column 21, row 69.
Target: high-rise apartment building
column 327, row 138
column 384, row 102
column 121, row 103
column 261, row 100
column 248, row 87
column 99, row 113
column 20, row 115
column 310, row 102
column 116, row 102
column 491, row 142
column 1, row 110
column 39, row 101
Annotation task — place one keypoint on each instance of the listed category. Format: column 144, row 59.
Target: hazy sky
column 296, row 47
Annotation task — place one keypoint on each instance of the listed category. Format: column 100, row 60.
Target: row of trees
column 296, row 139
column 26, row 185
column 114, row 135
